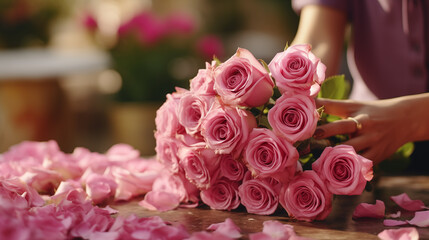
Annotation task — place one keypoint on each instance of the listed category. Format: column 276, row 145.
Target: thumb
column 341, row 108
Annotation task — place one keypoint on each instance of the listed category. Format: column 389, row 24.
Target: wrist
column 416, row 112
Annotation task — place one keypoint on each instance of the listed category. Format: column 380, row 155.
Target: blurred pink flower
column 210, row 46
column 179, row 23
column 89, row 22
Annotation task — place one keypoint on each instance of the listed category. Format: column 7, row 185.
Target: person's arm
column 386, row 124
column 323, row 28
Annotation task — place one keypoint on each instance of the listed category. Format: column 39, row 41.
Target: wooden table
column 339, row 224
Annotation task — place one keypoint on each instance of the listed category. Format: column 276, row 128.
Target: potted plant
column 153, row 54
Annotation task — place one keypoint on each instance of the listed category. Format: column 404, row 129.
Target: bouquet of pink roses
column 237, row 135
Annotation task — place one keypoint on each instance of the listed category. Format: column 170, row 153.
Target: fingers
column 341, row 108
column 343, row 126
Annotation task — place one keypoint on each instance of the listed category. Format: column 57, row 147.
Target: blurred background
column 91, row 73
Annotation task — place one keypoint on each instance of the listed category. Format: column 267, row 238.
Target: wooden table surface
column 339, row 224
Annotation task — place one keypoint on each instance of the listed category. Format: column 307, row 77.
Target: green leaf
column 287, row 46
column 334, row 87
column 218, row 62
column 264, row 64
column 398, row 161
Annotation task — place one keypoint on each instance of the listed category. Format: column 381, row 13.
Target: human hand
column 385, row 125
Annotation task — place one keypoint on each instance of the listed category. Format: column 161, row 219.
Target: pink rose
column 167, row 149
column 294, row 117
column 298, row 70
column 222, row 195
column 192, row 109
column 166, row 120
column 203, row 83
column 306, row 197
column 268, row 155
column 343, row 170
column 231, row 168
column 178, row 185
column 242, row 80
column 226, row 129
column 201, row 166
column 259, row 196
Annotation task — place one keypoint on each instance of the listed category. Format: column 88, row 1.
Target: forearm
column 323, row 28
column 416, row 108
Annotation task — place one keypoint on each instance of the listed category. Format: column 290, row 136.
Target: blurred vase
column 134, row 124
column 32, row 110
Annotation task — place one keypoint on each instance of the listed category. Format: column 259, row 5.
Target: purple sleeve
column 342, row 5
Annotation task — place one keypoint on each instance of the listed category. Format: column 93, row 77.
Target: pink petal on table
column 260, row 236
column 408, row 233
column 421, row 219
column 393, row 223
column 203, row 235
column 277, row 230
column 366, row 210
column 404, row 201
column 110, row 210
column 227, row 228
column 160, row 201
column 395, row 215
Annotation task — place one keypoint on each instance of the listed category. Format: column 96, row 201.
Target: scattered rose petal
column 404, row 201
column 160, row 201
column 366, row 210
column 395, row 215
column 408, row 233
column 393, row 223
column 110, row 210
column 227, row 228
column 203, row 235
column 421, row 219
column 275, row 230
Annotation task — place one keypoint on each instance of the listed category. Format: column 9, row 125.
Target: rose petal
column 159, row 200
column 110, row 210
column 227, row 228
column 393, row 223
column 408, row 233
column 421, row 219
column 366, row 210
column 395, row 215
column 404, row 201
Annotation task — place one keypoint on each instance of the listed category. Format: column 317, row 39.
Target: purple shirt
column 389, row 45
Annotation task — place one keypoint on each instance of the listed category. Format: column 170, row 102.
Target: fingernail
column 318, row 133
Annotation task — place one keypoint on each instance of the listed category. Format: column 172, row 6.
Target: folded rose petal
column 226, row 228
column 366, row 210
column 404, row 201
column 160, row 201
column 408, row 233
column 393, row 223
column 421, row 219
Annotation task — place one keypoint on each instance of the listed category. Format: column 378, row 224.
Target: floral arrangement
column 224, row 152
column 236, row 137
column 150, row 49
